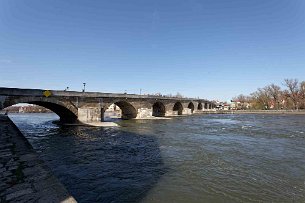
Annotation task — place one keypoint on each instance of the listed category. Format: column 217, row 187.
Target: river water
column 206, row 158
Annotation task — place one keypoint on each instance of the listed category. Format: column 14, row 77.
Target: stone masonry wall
column 23, row 176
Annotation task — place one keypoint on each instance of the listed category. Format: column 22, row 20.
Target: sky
column 213, row 49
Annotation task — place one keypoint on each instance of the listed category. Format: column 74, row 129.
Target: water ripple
column 209, row 158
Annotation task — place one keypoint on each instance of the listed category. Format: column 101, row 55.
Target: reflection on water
column 208, row 158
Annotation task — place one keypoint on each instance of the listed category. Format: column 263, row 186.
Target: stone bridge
column 86, row 107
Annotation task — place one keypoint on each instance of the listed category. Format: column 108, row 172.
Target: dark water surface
column 208, row 158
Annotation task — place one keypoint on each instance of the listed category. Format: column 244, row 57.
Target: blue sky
column 213, row 49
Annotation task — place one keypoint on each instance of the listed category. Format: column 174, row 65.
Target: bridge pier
column 197, row 111
column 187, row 111
column 90, row 114
column 144, row 113
column 171, row 113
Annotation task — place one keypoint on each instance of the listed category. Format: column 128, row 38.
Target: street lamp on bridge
column 84, row 87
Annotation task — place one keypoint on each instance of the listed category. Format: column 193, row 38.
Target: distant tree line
column 291, row 96
column 27, row 109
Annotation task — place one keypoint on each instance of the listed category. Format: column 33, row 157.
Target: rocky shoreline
column 23, row 176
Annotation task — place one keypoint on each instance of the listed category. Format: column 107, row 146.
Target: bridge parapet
column 60, row 93
column 90, row 106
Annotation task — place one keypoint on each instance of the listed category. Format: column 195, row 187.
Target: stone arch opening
column 205, row 105
column 191, row 106
column 158, row 109
column 199, row 106
column 123, row 110
column 178, row 108
column 65, row 114
column 112, row 112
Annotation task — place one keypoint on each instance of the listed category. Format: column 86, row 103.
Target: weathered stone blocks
column 21, row 171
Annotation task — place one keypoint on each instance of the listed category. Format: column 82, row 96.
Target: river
column 206, row 158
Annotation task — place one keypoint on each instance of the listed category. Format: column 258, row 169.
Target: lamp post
column 84, row 87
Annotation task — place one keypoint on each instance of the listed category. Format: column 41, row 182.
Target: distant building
column 238, row 105
column 222, row 105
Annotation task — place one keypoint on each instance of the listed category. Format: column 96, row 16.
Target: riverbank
column 23, row 176
column 291, row 112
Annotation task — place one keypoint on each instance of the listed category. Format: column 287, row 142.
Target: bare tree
column 179, row 95
column 262, row 98
column 241, row 98
column 243, row 101
column 294, row 91
column 292, row 97
column 275, row 92
column 302, row 94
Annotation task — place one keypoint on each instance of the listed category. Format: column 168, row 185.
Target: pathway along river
column 207, row 158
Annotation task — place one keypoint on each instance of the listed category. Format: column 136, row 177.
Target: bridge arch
column 178, row 107
column 66, row 113
column 128, row 111
column 199, row 107
column 158, row 109
column 191, row 106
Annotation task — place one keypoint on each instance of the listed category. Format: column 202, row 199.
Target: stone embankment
column 23, row 176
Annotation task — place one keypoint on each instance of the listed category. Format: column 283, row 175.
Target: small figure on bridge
column 6, row 113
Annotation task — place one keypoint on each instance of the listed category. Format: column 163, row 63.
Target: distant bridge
column 86, row 107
